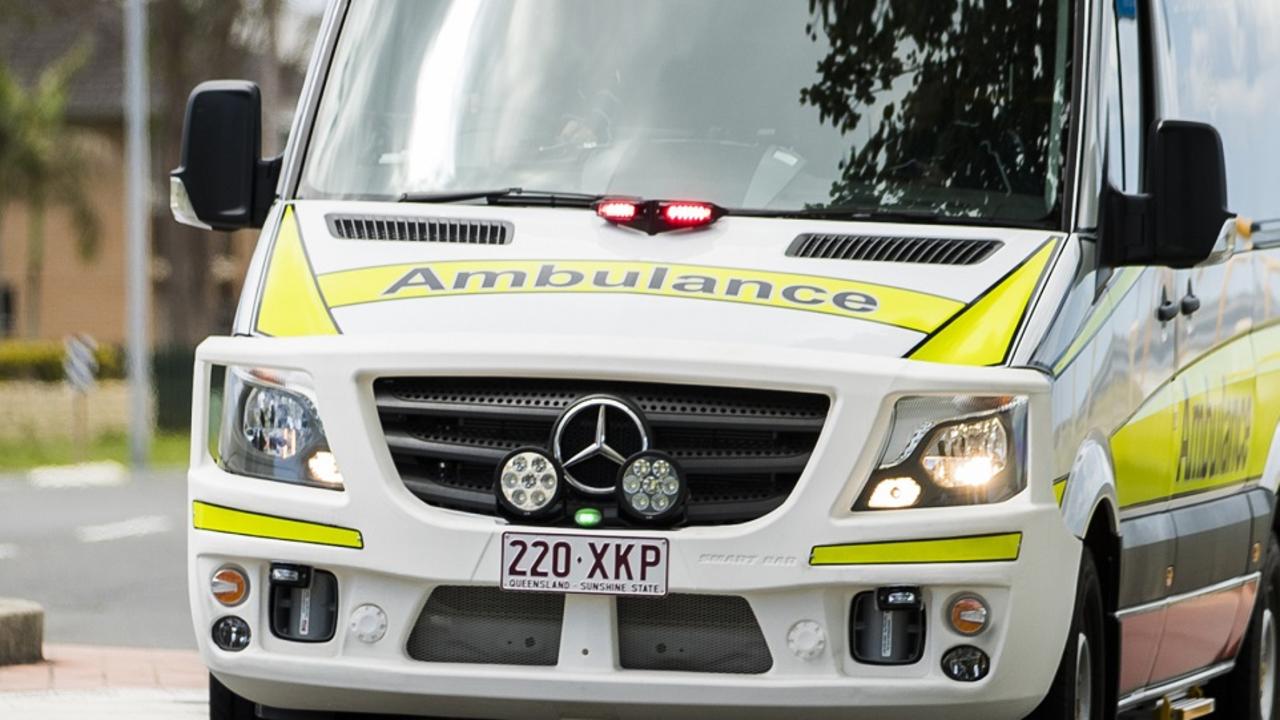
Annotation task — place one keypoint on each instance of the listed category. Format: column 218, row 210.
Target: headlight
column 950, row 451
column 270, row 429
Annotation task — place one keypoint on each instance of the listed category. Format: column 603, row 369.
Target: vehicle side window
column 1112, row 105
column 1129, row 50
column 1219, row 63
column 1122, row 94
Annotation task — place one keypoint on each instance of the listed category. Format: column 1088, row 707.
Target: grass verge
column 167, row 449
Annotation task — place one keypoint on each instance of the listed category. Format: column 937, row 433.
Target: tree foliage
column 193, row 41
column 44, row 163
column 944, row 94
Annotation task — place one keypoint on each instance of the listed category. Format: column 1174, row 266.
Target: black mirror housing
column 1177, row 223
column 223, row 183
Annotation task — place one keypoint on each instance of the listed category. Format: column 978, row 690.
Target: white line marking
column 8, row 551
column 135, row 527
column 95, row 474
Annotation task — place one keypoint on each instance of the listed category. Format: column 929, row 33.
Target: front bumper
column 409, row 548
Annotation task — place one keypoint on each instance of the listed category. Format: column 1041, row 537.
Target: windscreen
column 953, row 108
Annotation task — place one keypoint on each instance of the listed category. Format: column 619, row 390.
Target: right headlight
column 941, row 451
column 271, row 430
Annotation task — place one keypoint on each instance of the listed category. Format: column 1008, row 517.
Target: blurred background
column 92, row 535
column 62, row 208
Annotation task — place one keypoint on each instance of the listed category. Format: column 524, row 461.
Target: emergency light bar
column 656, row 216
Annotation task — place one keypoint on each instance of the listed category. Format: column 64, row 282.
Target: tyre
column 1249, row 691
column 226, row 705
column 1078, row 689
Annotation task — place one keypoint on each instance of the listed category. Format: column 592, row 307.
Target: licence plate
column 586, row 564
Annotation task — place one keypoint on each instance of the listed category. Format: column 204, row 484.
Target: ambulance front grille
column 743, row 450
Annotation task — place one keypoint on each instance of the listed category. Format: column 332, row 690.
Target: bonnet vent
column 420, row 229
column 929, row 251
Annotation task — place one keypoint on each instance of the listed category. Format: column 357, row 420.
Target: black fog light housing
column 651, row 487
column 887, row 626
column 304, row 603
column 529, row 484
column 231, row 633
column 966, row 663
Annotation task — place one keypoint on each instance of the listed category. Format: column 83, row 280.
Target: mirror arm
column 266, row 178
column 1125, row 231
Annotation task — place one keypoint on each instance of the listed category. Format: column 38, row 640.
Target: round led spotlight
column 529, row 483
column 651, row 487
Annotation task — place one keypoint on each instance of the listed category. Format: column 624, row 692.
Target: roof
column 37, row 34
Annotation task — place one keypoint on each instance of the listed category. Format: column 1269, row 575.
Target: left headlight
column 271, row 430
column 950, row 451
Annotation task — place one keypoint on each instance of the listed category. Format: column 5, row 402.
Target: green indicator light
column 587, row 517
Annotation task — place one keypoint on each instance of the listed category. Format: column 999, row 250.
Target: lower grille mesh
column 487, row 625
column 691, row 633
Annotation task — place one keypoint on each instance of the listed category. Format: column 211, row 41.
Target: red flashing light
column 619, row 211
column 657, row 216
column 687, row 214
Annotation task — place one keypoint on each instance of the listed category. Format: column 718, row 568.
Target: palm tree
column 44, row 164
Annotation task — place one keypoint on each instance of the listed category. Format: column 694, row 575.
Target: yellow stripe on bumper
column 215, row 518
column 980, row 548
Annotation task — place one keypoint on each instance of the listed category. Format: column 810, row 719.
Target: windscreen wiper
column 507, row 196
column 865, row 214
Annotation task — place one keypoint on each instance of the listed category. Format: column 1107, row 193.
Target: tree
column 44, row 164
column 945, row 92
column 193, row 41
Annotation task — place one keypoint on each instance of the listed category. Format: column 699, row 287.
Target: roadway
column 104, row 553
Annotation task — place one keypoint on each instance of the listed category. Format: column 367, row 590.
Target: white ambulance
column 747, row 359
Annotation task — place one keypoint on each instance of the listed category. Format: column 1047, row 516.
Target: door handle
column 1168, row 309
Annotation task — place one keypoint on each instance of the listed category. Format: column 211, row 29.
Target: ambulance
column 747, row 359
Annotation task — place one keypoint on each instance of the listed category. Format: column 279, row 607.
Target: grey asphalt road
column 108, row 563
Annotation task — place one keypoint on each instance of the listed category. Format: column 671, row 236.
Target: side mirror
column 223, row 183
column 1178, row 222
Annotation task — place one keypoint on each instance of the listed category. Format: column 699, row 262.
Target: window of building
column 7, row 310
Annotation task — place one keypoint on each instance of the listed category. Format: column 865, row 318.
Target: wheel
column 1249, row 691
column 1078, row 688
column 226, row 705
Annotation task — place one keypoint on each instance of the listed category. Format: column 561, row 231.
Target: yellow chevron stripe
column 291, row 303
column 1060, row 490
column 982, row 334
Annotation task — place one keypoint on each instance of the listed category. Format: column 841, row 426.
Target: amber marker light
column 969, row 615
column 229, row 586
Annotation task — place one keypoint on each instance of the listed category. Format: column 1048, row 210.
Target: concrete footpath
column 91, row 683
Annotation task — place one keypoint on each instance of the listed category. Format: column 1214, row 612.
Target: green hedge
column 42, row 360
column 171, row 367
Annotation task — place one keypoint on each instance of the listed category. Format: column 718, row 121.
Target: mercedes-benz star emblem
column 593, row 439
